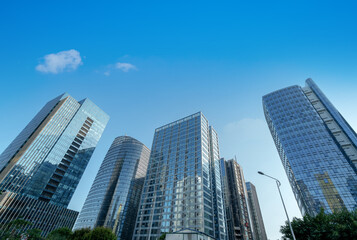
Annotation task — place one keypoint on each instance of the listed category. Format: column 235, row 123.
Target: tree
column 81, row 234
column 335, row 226
column 14, row 230
column 102, row 233
column 60, row 234
column 34, row 234
column 162, row 237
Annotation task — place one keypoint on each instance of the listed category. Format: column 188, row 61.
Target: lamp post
column 279, row 184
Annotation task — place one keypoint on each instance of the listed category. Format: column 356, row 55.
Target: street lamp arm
column 278, row 182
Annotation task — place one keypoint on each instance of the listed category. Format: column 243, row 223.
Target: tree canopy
column 102, row 233
column 162, row 237
column 60, row 234
column 16, row 230
column 98, row 233
column 339, row 225
column 81, row 234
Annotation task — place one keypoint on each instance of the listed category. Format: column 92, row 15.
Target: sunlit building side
column 41, row 168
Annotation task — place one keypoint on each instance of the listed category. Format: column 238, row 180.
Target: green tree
column 14, row 230
column 102, row 233
column 81, row 234
column 34, row 234
column 339, row 225
column 162, row 237
column 60, row 234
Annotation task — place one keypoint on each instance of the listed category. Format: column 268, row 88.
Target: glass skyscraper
column 41, row 168
column 114, row 197
column 236, row 201
column 256, row 219
column 182, row 189
column 317, row 147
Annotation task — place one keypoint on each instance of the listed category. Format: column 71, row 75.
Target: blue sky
column 184, row 56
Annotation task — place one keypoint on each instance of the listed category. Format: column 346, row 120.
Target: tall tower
column 236, row 199
column 317, row 147
column 182, row 188
column 257, row 222
column 227, row 201
column 114, row 197
column 41, row 168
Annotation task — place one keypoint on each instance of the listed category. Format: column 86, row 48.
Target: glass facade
column 257, row 222
column 182, row 188
column 47, row 159
column 115, row 194
column 316, row 146
column 42, row 215
column 217, row 188
column 227, row 201
column 236, row 199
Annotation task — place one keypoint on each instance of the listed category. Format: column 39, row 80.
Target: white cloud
column 107, row 73
column 61, row 61
column 248, row 127
column 125, row 67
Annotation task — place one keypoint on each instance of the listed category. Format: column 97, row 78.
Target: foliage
column 34, row 234
column 14, row 230
column 102, row 233
column 60, row 234
column 336, row 226
column 81, row 234
column 162, row 237
column 98, row 233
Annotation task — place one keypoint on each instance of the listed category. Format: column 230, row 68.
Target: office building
column 317, row 147
column 236, row 201
column 41, row 168
column 182, row 189
column 187, row 234
column 256, row 219
column 115, row 194
column 227, row 201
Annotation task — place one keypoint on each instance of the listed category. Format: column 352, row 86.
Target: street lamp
column 279, row 184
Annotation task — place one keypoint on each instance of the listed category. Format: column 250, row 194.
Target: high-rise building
column 182, row 188
column 256, row 219
column 227, row 201
column 114, row 197
column 317, row 147
column 41, row 168
column 236, row 201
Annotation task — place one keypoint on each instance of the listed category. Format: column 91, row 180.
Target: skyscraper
column 183, row 186
column 236, row 201
column 227, row 200
column 41, row 168
column 316, row 145
column 256, row 219
column 114, row 197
